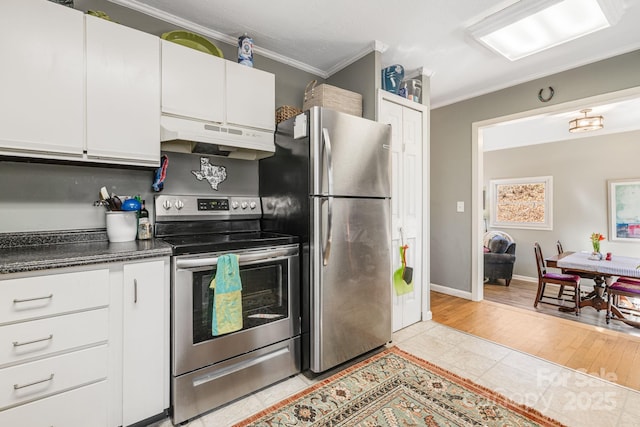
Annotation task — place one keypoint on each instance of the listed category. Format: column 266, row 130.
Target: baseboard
column 525, row 278
column 450, row 291
column 427, row 315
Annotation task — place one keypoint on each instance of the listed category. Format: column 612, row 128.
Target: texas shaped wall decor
column 212, row 173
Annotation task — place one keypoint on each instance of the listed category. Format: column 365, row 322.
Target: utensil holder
column 122, row 226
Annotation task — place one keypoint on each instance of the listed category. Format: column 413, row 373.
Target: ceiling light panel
column 531, row 26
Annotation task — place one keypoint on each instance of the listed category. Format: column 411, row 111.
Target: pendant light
column 586, row 123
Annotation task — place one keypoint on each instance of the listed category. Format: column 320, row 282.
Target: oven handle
column 242, row 258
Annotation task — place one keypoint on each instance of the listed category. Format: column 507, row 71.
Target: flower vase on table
column 596, row 238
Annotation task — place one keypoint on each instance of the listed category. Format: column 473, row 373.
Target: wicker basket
column 286, row 112
column 328, row 96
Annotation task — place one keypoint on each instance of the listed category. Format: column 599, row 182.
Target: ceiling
column 619, row 116
column 323, row 36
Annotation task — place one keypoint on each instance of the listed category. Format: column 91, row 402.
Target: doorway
column 479, row 134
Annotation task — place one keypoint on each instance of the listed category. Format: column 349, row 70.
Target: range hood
column 183, row 135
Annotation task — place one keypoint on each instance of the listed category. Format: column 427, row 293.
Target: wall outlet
column 460, row 207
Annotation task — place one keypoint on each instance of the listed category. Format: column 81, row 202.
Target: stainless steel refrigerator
column 329, row 183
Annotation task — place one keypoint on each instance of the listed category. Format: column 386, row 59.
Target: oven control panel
column 213, row 204
column 185, row 208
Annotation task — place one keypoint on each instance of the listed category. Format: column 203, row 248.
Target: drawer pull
column 135, row 291
column 18, row 344
column 18, row 386
column 16, row 300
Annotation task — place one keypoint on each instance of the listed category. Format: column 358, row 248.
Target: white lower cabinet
column 145, row 341
column 46, row 377
column 82, row 407
column 85, row 346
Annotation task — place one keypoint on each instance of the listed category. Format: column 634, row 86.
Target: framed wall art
column 624, row 210
column 521, row 203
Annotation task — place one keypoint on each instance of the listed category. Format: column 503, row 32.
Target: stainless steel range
column 206, row 370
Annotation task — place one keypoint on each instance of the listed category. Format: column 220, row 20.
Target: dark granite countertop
column 23, row 252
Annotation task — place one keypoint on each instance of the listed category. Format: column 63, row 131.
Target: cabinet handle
column 16, row 300
column 18, row 344
column 135, row 291
column 18, row 387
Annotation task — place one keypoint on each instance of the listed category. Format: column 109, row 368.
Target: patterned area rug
column 395, row 388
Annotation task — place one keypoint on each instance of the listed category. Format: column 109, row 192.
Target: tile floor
column 572, row 397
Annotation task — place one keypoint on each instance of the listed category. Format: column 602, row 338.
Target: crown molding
column 204, row 31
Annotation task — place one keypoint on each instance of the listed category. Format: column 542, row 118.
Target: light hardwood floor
column 522, row 294
column 607, row 354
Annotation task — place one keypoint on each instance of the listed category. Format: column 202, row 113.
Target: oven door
column 270, row 305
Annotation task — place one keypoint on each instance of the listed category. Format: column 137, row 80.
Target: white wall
column 580, row 170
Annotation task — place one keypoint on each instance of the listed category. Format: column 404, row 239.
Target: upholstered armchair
column 499, row 257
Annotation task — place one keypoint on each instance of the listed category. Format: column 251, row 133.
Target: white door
column 250, row 96
column 192, row 83
column 145, row 341
column 406, row 204
column 41, row 80
column 123, row 94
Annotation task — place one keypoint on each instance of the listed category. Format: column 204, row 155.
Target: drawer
column 34, row 380
column 37, row 338
column 81, row 407
column 40, row 296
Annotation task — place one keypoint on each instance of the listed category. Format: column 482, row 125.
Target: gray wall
column 451, row 151
column 363, row 77
column 39, row 197
column 580, row 191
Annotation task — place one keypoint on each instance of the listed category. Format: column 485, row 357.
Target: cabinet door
column 76, row 408
column 145, row 340
column 192, row 83
column 123, row 94
column 411, row 208
column 41, row 80
column 250, row 96
column 406, row 204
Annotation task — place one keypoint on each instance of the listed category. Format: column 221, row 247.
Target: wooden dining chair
column 561, row 279
column 624, row 286
column 569, row 271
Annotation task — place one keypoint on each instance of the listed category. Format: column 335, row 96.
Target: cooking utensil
column 117, row 203
column 104, row 196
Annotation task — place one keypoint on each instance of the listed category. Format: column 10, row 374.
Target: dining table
column 603, row 271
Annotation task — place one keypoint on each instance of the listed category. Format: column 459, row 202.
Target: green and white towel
column 227, row 300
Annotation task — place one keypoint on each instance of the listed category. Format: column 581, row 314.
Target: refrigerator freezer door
column 360, row 153
column 351, row 294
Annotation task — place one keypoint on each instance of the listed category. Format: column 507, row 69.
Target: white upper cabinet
column 251, row 97
column 123, row 94
column 41, row 80
column 192, row 83
column 200, row 86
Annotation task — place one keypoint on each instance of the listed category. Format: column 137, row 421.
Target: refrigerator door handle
column 327, row 245
column 329, row 167
column 326, row 142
